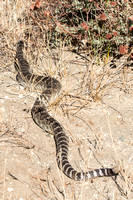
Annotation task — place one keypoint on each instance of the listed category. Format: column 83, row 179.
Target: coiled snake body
column 50, row 87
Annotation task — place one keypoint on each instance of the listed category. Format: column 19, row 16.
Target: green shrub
column 102, row 26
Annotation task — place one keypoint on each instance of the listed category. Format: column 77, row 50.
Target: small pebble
column 10, row 189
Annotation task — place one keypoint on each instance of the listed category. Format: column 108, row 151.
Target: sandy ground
column 100, row 133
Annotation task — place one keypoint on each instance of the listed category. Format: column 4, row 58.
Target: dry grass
column 90, row 100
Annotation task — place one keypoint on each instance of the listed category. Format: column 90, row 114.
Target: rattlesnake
column 50, row 87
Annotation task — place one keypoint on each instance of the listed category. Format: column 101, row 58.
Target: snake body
column 50, row 87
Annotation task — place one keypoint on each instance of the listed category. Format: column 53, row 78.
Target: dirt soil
column 100, row 135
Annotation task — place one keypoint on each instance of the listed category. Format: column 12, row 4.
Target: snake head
column 20, row 45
